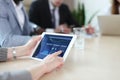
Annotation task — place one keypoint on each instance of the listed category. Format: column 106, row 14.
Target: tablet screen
column 52, row 43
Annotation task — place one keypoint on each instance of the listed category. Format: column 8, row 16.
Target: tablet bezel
column 67, row 50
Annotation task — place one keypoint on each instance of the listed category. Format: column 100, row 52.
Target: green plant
column 80, row 15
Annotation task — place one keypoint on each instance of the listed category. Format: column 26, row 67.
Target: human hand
column 53, row 61
column 24, row 50
column 39, row 31
column 30, row 45
column 49, row 63
column 90, row 30
column 63, row 29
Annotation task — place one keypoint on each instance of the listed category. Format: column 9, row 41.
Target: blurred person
column 115, row 9
column 33, row 73
column 15, row 28
column 52, row 14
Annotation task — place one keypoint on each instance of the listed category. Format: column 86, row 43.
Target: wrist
column 14, row 53
column 21, row 51
column 11, row 53
column 37, row 71
column 44, row 66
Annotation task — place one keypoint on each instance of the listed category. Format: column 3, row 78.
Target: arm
column 6, row 54
column 10, row 35
column 53, row 61
column 18, row 75
column 3, row 54
column 34, row 73
column 13, row 40
column 26, row 50
column 20, row 51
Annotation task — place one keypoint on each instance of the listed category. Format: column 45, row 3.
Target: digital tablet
column 53, row 42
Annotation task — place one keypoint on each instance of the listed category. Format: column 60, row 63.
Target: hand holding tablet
column 53, row 42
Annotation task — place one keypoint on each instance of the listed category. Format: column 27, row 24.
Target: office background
column 91, row 6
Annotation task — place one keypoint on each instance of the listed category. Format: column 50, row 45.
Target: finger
column 57, row 53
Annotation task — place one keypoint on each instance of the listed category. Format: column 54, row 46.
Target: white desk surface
column 100, row 60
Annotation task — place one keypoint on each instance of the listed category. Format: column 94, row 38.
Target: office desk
column 100, row 60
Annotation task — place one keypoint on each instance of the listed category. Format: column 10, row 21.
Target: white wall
column 94, row 5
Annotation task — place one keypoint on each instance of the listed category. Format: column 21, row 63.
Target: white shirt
column 57, row 15
column 20, row 14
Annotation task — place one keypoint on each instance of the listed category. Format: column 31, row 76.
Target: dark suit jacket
column 40, row 14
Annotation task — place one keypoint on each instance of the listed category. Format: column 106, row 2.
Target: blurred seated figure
column 115, row 7
column 15, row 28
column 52, row 14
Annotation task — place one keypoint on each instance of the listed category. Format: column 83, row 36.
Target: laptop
column 109, row 25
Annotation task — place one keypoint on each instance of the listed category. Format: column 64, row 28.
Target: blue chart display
column 50, row 44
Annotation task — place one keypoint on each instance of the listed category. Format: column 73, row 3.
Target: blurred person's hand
column 39, row 31
column 90, row 30
column 63, row 29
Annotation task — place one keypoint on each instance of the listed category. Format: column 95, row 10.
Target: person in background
column 15, row 28
column 52, row 14
column 115, row 9
column 33, row 73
